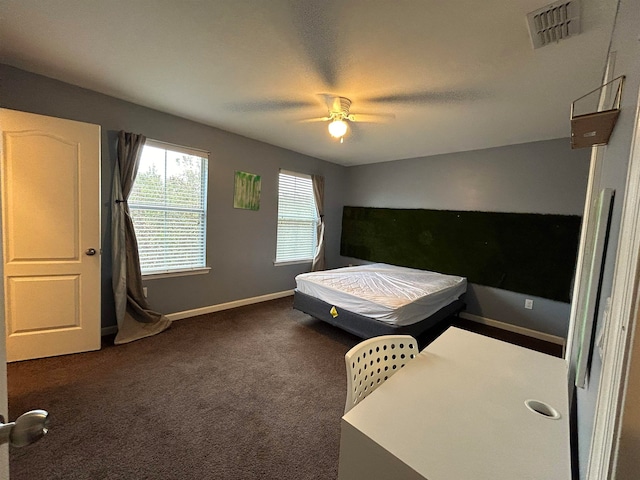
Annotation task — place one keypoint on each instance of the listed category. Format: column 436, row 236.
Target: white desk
column 457, row 412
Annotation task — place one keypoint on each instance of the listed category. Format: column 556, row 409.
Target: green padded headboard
column 528, row 253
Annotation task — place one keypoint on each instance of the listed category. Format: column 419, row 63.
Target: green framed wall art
column 246, row 194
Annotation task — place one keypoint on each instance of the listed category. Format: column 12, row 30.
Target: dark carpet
column 256, row 392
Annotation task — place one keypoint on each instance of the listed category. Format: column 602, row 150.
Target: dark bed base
column 366, row 327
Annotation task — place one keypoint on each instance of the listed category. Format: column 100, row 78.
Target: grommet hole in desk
column 542, row 408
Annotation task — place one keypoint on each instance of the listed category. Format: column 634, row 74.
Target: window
column 168, row 205
column 297, row 218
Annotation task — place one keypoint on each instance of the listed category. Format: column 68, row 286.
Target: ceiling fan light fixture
column 338, row 128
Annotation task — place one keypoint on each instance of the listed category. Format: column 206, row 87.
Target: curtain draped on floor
column 135, row 319
column 318, row 193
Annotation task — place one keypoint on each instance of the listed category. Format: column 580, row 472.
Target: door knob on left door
column 90, row 251
column 27, row 429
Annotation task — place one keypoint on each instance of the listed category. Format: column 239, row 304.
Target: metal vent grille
column 555, row 22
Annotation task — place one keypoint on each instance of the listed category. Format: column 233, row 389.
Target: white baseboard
column 286, row 293
column 513, row 328
column 226, row 306
column 210, row 309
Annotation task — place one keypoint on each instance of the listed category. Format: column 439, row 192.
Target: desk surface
column 457, row 411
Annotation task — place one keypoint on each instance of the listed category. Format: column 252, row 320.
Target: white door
column 51, row 235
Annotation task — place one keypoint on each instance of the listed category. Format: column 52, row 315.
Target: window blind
column 297, row 218
column 168, row 207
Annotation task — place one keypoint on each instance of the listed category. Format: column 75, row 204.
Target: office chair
column 373, row 361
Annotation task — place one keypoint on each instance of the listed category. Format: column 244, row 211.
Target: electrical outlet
column 528, row 304
column 144, row 291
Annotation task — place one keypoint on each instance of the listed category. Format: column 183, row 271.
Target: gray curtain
column 135, row 319
column 318, row 193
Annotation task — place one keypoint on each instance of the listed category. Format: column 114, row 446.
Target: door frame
column 621, row 326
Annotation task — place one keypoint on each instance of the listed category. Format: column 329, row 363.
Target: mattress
column 395, row 295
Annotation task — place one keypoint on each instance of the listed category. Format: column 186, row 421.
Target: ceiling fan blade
column 319, row 119
column 319, row 29
column 269, row 105
column 371, row 117
column 355, row 133
column 428, row 97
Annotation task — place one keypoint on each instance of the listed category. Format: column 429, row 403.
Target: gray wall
column 540, row 177
column 240, row 243
column 626, row 46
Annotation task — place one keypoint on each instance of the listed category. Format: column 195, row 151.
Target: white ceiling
column 458, row 74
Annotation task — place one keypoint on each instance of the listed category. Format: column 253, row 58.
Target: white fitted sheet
column 395, row 295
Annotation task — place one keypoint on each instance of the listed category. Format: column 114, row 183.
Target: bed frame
column 365, row 327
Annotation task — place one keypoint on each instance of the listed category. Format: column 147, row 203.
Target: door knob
column 27, row 429
column 90, row 251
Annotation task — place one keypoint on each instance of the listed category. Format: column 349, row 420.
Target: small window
column 297, row 218
column 168, row 205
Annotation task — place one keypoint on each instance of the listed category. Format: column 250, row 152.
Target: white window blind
column 297, row 218
column 168, row 205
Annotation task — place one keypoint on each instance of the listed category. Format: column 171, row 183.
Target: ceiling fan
column 339, row 116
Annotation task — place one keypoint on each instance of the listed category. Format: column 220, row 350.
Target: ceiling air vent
column 555, row 22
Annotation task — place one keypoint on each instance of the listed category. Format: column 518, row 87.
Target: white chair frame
column 373, row 361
